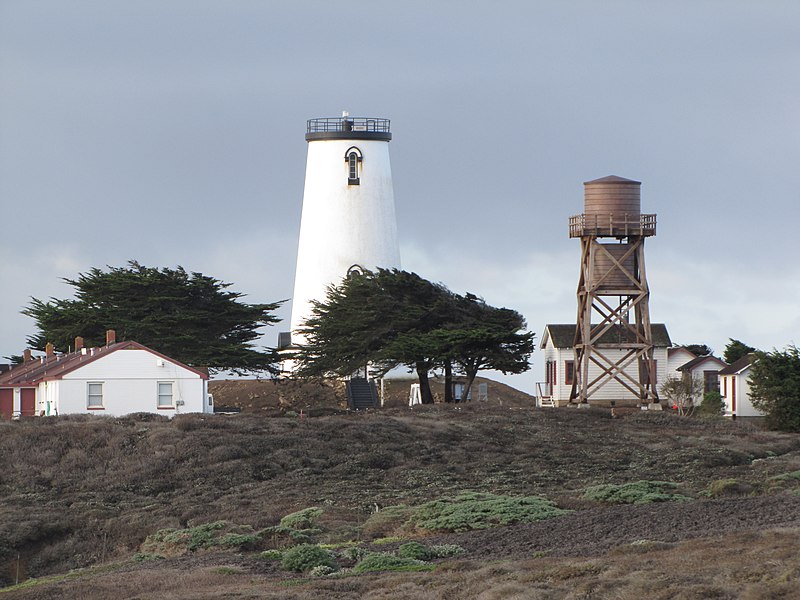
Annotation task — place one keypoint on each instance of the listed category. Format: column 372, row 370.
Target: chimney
column 78, row 344
column 111, row 337
column 50, row 350
column 26, row 355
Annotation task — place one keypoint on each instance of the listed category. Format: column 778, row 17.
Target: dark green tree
column 736, row 350
column 699, row 349
column 391, row 318
column 486, row 337
column 385, row 318
column 191, row 317
column 775, row 387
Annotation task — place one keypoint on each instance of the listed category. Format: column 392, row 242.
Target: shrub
column 386, row 521
column 239, row 540
column 482, row 510
column 321, row 571
column 202, row 537
column 712, row 404
column 414, row 550
column 305, row 557
column 638, row 492
column 775, row 387
column 144, row 557
column 302, row 519
column 728, row 487
column 445, row 551
column 272, row 554
column 354, row 553
column 387, row 562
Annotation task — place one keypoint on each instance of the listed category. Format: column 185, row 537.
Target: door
column 27, row 402
column 6, row 403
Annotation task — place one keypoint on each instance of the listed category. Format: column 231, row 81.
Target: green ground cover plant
column 637, row 492
column 217, row 534
column 388, row 562
column 304, row 557
column 481, row 510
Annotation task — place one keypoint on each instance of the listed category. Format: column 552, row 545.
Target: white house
column 116, row 379
column 559, row 359
column 677, row 356
column 705, row 369
column 735, row 388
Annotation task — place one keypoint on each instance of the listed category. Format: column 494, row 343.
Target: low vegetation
column 636, row 492
column 374, row 505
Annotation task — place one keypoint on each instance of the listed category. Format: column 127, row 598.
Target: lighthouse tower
column 348, row 221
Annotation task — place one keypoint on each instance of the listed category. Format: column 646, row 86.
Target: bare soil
column 83, row 493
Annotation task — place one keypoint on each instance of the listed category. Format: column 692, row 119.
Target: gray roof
column 739, row 365
column 701, row 359
column 563, row 335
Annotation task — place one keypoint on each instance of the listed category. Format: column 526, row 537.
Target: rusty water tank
column 612, row 205
column 606, row 272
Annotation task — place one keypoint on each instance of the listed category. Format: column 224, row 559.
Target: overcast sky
column 172, row 133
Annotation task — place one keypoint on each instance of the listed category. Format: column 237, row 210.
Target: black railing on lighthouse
column 332, row 124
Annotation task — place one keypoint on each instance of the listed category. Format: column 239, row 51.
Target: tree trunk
column 448, row 381
column 468, row 385
column 424, row 385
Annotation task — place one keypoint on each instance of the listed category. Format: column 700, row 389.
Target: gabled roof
column 695, row 362
column 739, row 365
column 54, row 367
column 563, row 335
column 676, row 349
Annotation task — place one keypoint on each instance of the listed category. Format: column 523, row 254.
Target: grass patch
column 638, row 492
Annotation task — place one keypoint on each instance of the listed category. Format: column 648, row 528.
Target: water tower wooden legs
column 612, row 285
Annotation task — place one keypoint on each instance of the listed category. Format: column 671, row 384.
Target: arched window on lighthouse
column 353, row 159
column 354, row 271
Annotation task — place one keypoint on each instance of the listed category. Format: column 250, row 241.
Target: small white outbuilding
column 116, row 379
column 735, row 388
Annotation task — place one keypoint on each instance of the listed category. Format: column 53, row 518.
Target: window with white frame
column 165, row 394
column 94, row 394
column 353, row 158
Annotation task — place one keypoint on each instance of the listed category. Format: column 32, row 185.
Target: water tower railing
column 611, row 225
column 335, row 124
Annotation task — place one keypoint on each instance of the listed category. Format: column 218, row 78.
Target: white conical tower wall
column 343, row 225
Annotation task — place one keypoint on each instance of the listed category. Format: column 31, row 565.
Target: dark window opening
column 569, row 371
column 710, row 381
column 353, row 159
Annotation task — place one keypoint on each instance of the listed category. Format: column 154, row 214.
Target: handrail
column 612, row 225
column 335, row 124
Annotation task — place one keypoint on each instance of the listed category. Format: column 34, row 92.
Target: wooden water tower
column 617, row 348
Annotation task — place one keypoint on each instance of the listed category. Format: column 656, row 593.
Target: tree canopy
column 775, row 387
column 736, row 350
column 191, row 317
column 699, row 349
column 390, row 318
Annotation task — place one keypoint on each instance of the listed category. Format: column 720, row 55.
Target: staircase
column 361, row 394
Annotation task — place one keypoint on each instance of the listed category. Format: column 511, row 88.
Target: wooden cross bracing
column 624, row 278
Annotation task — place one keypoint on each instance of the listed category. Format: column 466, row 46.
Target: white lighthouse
column 348, row 221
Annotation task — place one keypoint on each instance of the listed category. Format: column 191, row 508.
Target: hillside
column 82, row 494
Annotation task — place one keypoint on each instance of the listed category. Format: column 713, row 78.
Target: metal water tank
column 612, row 205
